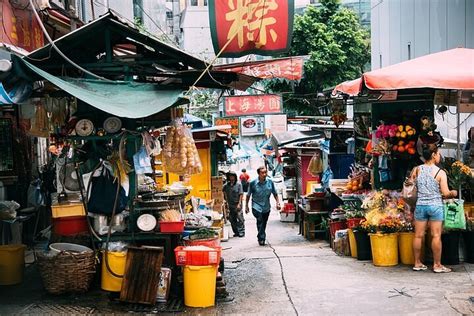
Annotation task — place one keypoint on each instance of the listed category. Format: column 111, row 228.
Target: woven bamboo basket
column 67, row 272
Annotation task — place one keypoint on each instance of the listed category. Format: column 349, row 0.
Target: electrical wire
column 153, row 21
column 51, row 42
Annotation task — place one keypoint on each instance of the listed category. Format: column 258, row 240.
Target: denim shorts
column 429, row 212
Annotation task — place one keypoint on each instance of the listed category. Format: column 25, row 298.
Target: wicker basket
column 67, row 272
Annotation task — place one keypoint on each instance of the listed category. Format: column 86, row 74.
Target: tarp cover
column 451, row 69
column 123, row 99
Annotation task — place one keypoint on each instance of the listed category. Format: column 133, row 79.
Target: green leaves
column 338, row 48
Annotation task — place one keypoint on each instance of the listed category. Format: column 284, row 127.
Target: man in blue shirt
column 260, row 190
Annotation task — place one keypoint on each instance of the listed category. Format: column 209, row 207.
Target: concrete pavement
column 319, row 282
column 315, row 281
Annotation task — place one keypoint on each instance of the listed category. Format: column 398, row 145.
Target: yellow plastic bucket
column 116, row 261
column 352, row 243
column 384, row 249
column 12, row 263
column 405, row 245
column 199, row 286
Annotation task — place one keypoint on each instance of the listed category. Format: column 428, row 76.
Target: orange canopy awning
column 451, row 69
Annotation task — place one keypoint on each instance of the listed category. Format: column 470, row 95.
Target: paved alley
column 315, row 282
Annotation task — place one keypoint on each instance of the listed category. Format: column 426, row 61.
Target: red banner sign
column 241, row 27
column 290, row 68
column 252, row 104
column 20, row 27
column 232, row 121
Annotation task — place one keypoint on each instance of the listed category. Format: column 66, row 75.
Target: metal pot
column 101, row 223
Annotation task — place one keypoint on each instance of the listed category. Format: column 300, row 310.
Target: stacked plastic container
column 200, row 265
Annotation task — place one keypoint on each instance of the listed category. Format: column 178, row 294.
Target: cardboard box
column 217, row 182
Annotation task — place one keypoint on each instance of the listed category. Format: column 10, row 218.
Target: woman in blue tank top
column 432, row 185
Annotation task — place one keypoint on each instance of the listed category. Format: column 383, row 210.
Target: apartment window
column 205, row 3
column 193, row 3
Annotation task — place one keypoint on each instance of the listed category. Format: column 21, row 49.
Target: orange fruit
column 411, row 151
column 401, row 149
column 395, row 147
column 401, row 143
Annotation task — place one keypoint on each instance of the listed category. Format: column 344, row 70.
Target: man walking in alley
column 233, row 195
column 260, row 190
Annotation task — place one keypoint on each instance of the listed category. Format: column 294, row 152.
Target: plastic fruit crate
column 172, row 227
column 197, row 256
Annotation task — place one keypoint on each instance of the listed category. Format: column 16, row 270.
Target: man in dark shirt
column 233, row 194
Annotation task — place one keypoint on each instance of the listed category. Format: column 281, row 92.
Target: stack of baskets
column 67, row 272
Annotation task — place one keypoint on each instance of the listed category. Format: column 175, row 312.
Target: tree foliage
column 204, row 104
column 337, row 46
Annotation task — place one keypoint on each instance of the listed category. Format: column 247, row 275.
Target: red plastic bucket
column 70, row 226
column 353, row 222
column 335, row 226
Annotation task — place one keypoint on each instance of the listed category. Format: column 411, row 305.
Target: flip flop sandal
column 442, row 270
column 420, row 268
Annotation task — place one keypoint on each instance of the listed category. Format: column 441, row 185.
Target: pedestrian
column 233, row 195
column 432, row 187
column 244, row 179
column 260, row 191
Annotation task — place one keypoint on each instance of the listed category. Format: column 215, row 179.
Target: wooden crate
column 142, row 275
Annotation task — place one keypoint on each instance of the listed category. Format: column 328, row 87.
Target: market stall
column 394, row 114
column 132, row 177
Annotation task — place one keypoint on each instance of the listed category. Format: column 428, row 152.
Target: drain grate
column 51, row 309
column 174, row 305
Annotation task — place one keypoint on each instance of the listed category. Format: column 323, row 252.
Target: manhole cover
column 173, row 305
column 51, row 309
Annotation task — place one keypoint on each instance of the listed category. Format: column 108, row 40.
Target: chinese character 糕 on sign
column 250, row 21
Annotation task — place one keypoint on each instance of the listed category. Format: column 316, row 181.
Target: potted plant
column 354, row 217
column 362, row 240
column 384, row 242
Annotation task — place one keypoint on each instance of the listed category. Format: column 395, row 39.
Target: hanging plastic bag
column 454, row 217
column 142, row 162
column 180, row 154
column 315, row 166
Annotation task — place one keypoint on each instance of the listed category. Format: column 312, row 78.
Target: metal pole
column 458, row 130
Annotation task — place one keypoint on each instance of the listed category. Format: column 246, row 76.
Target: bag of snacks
column 180, row 155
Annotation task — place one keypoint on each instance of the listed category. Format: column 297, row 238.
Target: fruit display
column 356, row 181
column 180, row 154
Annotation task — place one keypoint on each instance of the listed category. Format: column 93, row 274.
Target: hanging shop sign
column 252, row 125
column 241, row 27
column 232, row 121
column 290, row 68
column 20, row 27
column 252, row 104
